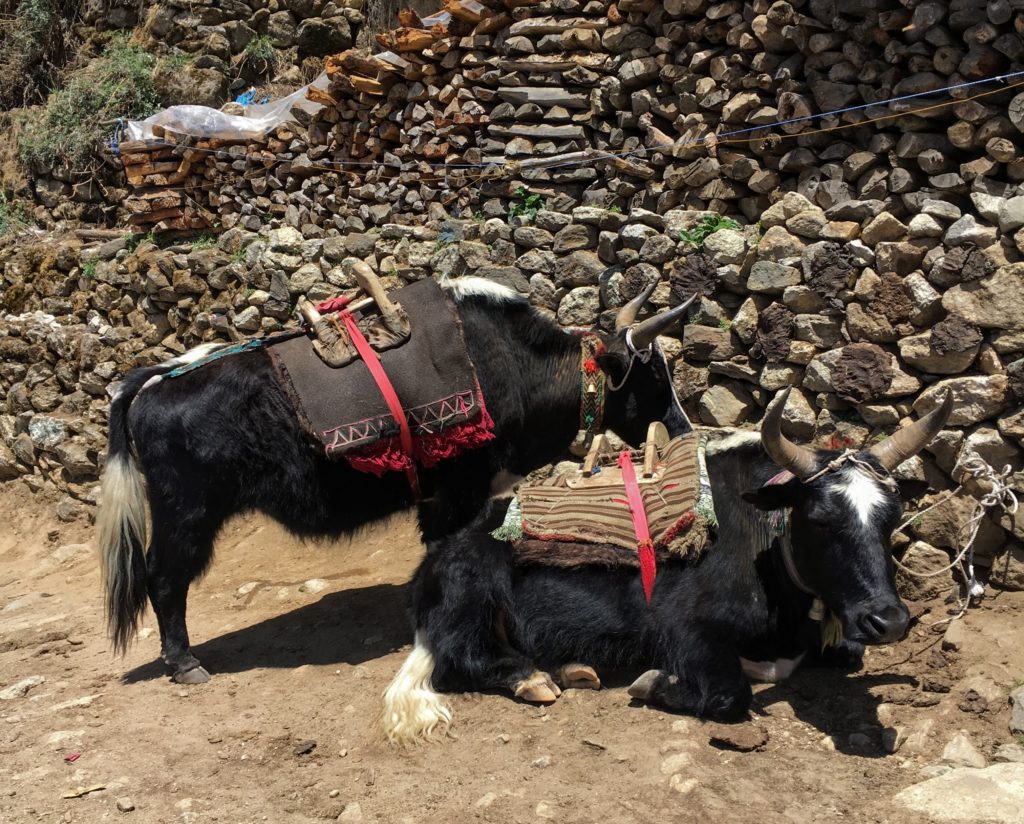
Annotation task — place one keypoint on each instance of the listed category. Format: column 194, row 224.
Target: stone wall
column 871, row 268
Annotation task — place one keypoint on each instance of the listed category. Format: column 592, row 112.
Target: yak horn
column 912, row 438
column 644, row 333
column 799, row 460
column 627, row 314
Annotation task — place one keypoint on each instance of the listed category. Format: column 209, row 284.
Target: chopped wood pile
column 636, row 103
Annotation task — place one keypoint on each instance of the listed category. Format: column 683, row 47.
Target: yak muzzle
column 883, row 623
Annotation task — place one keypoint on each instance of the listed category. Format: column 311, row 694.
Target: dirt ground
column 301, row 641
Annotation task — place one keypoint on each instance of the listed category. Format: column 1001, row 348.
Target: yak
column 224, row 439
column 484, row 620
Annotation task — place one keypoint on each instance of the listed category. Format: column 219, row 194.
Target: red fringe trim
column 387, row 454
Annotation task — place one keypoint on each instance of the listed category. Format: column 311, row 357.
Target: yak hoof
column 194, row 675
column 642, row 687
column 538, row 689
column 578, row 676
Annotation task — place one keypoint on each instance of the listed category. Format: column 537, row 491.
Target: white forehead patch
column 863, row 492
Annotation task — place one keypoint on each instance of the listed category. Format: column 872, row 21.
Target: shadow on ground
column 843, row 706
column 347, row 627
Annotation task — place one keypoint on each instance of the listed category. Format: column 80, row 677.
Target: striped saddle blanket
column 590, row 505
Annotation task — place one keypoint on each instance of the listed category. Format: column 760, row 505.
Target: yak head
column 639, row 385
column 843, row 508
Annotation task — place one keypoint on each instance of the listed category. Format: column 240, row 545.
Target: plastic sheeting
column 201, row 121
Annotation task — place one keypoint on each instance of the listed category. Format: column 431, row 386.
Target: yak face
column 639, row 390
column 839, row 542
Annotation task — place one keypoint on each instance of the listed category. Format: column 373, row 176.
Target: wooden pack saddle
column 590, row 505
column 383, row 322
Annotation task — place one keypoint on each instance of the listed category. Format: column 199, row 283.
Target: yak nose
column 885, row 624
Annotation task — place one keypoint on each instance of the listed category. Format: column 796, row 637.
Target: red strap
column 644, row 545
column 372, row 361
column 333, row 304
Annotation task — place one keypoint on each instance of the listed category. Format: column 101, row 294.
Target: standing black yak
column 224, row 439
column 484, row 621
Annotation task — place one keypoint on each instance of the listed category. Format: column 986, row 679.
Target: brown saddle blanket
column 431, row 373
column 577, row 507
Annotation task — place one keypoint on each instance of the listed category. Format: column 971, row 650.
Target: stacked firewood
column 653, row 104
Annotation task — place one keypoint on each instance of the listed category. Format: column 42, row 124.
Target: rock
column 125, row 804
column 20, row 688
column 975, row 398
column 1007, row 571
column 579, row 268
column 706, row 343
column 993, row 302
column 1009, row 753
column 1017, row 710
column 726, row 246
column 46, row 432
column 942, row 526
column 741, row 737
column 352, row 814
column 917, row 351
column 777, row 244
column 772, row 278
column 926, row 560
column 531, row 237
column 959, row 795
column 744, row 322
column 726, row 404
column 190, row 85
column 960, row 752
column 580, row 307
column 881, row 228
column 574, row 236
column 1011, row 214
column 71, row 552
column 968, row 230
column 318, row 38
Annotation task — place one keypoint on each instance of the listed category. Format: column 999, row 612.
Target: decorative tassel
column 831, row 627
column 511, row 528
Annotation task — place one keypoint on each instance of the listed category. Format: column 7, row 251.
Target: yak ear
column 773, row 496
column 614, row 364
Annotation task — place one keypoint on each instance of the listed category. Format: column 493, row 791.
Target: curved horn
column 799, row 460
column 644, row 333
column 627, row 314
column 912, row 438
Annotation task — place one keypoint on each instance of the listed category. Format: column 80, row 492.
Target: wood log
column 407, row 39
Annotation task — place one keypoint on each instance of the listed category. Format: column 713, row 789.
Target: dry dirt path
column 301, row 641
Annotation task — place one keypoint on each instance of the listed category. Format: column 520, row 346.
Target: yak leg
column 578, row 676
column 701, row 677
column 460, row 596
column 174, row 559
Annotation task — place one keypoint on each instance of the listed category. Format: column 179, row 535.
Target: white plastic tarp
column 201, row 121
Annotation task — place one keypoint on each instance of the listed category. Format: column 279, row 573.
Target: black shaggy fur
column 224, row 439
column 490, row 623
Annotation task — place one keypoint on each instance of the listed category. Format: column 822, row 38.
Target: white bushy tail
column 413, row 712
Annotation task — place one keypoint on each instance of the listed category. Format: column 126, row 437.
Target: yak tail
column 413, row 712
column 121, row 526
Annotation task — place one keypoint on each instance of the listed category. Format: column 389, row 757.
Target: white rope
column 1000, row 494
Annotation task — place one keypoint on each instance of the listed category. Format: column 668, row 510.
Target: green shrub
column 73, row 126
column 526, row 204
column 33, row 44
column 260, row 54
column 13, row 216
column 709, row 224
column 89, row 269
